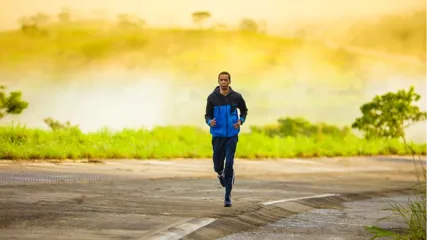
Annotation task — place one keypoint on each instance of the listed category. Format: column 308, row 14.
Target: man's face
column 224, row 81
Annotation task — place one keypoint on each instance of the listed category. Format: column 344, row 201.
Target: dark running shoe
column 221, row 179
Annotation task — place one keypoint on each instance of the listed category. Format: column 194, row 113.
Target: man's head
column 224, row 80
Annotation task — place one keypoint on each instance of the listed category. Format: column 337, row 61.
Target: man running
column 224, row 121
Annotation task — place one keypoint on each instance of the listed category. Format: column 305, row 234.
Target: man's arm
column 209, row 112
column 243, row 109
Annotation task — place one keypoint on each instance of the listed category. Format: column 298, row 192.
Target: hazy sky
column 178, row 12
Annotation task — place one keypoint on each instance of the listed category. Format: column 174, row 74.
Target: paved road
column 172, row 199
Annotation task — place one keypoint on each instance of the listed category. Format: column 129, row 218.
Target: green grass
column 178, row 142
column 412, row 213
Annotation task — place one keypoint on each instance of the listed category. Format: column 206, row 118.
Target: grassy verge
column 179, row 142
column 413, row 213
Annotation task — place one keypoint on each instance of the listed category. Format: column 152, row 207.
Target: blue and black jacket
column 224, row 110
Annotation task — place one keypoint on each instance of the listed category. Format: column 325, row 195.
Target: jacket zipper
column 228, row 112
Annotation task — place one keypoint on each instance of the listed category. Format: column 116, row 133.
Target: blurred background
column 124, row 63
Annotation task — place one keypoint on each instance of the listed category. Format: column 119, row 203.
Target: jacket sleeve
column 209, row 111
column 243, row 109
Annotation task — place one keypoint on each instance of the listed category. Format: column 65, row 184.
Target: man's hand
column 237, row 125
column 213, row 123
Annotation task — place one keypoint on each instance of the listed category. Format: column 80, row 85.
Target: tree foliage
column 248, row 25
column 200, row 16
column 64, row 16
column 300, row 127
column 12, row 104
column 128, row 21
column 34, row 25
column 387, row 115
column 56, row 125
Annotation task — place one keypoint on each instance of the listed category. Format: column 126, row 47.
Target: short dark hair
column 225, row 72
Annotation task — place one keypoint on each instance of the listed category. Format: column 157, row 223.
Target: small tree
column 56, row 125
column 297, row 127
column 40, row 19
column 127, row 21
column 388, row 115
column 12, row 104
column 200, row 17
column 33, row 25
column 65, row 15
column 248, row 25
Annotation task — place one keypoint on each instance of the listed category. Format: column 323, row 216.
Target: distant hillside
column 401, row 34
column 76, row 45
column 81, row 43
column 90, row 42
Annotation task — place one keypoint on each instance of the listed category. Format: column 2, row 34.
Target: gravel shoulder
column 347, row 222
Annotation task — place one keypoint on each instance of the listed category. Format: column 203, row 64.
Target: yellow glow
column 164, row 12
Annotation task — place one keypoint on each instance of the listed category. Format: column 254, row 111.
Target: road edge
column 270, row 212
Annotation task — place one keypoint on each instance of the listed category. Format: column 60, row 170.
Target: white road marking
column 299, row 198
column 188, row 226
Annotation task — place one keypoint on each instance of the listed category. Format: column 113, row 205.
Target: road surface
column 346, row 222
column 182, row 199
